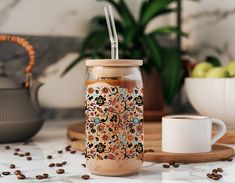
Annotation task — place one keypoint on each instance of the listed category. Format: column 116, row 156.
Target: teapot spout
column 34, row 93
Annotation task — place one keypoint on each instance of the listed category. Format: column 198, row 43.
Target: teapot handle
column 31, row 54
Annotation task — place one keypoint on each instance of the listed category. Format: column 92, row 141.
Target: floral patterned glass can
column 114, row 117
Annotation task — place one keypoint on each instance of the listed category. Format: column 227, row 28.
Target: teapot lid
column 5, row 81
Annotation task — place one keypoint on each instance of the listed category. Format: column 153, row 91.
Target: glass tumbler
column 114, row 117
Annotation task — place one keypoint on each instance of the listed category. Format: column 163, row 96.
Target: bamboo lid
column 114, row 63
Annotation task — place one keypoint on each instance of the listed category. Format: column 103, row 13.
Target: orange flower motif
column 90, row 138
column 100, row 128
column 129, row 137
column 90, row 90
column 105, row 90
column 105, row 137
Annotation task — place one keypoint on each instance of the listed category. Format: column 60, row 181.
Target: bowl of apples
column 211, row 91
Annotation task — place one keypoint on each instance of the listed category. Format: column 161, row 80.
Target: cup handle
column 221, row 131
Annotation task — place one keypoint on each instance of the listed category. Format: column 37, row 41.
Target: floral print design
column 114, row 122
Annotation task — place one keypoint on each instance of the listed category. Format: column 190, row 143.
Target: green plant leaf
column 101, row 21
column 169, row 30
column 75, row 62
column 213, row 60
column 95, row 40
column 123, row 11
column 171, row 73
column 152, row 8
column 127, row 16
column 153, row 49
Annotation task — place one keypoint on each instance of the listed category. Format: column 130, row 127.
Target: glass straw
column 112, row 31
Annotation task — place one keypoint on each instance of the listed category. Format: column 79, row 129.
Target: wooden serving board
column 152, row 141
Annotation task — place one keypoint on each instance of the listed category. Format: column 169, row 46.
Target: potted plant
column 162, row 70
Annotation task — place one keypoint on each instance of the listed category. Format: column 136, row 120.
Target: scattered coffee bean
column 21, row 176
column 176, row 165
column 17, row 149
column 7, row 147
column 6, row 173
column 21, row 155
column 39, row 177
column 45, row 175
column 27, row 154
column 220, row 169
column 60, row 152
column 51, row 165
column 72, row 152
column 165, row 166
column 209, row 175
column 15, row 153
column 83, row 154
column 58, row 165
column 171, row 163
column 64, row 163
column 215, row 171
column 49, row 157
column 60, row 171
column 12, row 166
column 215, row 176
column 84, row 165
column 68, row 148
column 29, row 158
column 17, row 172
column 85, row 177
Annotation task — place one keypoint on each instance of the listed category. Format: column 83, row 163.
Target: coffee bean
column 165, row 166
column 176, row 165
column 49, row 157
column 6, row 173
column 17, row 149
column 58, row 165
column 215, row 178
column 29, row 158
column 209, row 175
column 20, row 176
column 220, row 169
column 51, row 165
column 7, row 147
column 12, row 166
column 85, row 177
column 64, row 163
column 17, row 172
column 84, row 165
column 45, row 175
column 27, row 154
column 68, row 148
column 83, row 154
column 39, row 177
column 215, row 171
column 60, row 171
column 15, row 153
column 72, row 152
column 60, row 152
column 21, row 155
column 171, row 163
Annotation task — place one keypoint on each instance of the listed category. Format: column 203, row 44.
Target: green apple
column 231, row 69
column 201, row 69
column 217, row 72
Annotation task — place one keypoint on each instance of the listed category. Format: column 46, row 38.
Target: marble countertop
column 52, row 138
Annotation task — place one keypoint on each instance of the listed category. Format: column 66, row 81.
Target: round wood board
column 152, row 136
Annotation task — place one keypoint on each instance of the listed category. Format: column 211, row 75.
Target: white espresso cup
column 189, row 133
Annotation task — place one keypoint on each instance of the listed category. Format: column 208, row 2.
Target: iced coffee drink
column 114, row 117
